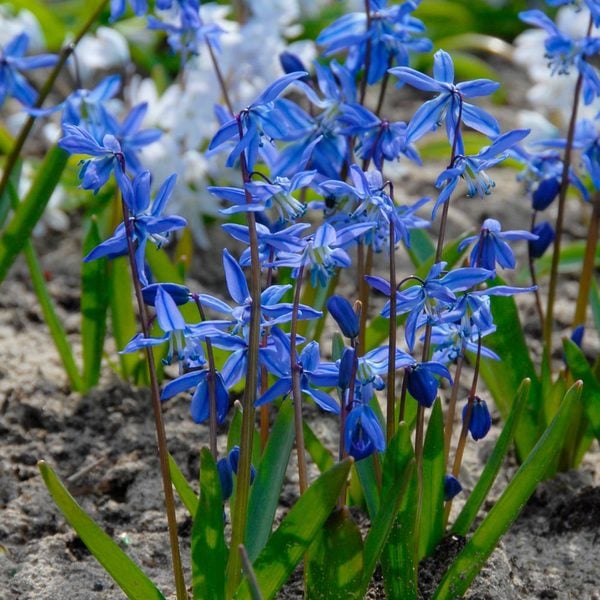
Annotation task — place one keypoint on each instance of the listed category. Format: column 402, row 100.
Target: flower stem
column 296, row 371
column 247, row 429
column 449, row 424
column 589, row 258
column 161, row 437
column 532, row 272
column 391, row 371
column 363, row 82
column 212, row 392
column 12, row 158
column 562, row 197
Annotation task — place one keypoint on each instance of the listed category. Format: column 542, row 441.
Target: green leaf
column 288, row 543
column 421, row 247
column 469, row 562
column 398, row 468
column 432, row 515
column 335, row 560
column 320, row 455
column 398, row 557
column 59, row 336
column 570, row 260
column 124, row 324
column 94, row 306
column 595, row 303
column 29, row 212
column 265, row 491
column 209, row 552
column 183, row 488
column 53, row 29
column 368, row 483
column 503, row 377
column 580, row 369
column 128, row 576
column 467, row 515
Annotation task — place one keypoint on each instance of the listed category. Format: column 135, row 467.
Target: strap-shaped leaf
column 398, row 469
column 209, row 552
column 492, row 466
column 264, row 494
column 183, row 488
column 128, row 576
column 431, row 528
column 29, row 212
column 289, row 542
column 94, row 306
column 335, row 560
column 473, row 556
column 320, row 455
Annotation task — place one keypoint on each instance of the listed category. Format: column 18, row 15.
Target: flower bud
column 422, row 385
column 545, row 235
column 180, row 293
column 290, row 63
column 480, row 421
column 452, row 487
column 545, row 193
column 343, row 313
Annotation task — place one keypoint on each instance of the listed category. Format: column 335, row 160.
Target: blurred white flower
column 12, row 24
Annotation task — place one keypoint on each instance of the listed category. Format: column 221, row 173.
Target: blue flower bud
column 234, row 459
column 452, row 487
column 346, row 367
column 545, row 235
column 422, row 385
column 363, row 434
column 290, row 63
column 577, row 335
column 343, row 313
column 545, row 193
column 179, row 293
column 226, row 477
column 480, row 421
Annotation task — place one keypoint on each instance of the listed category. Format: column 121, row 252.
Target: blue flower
column 263, row 118
column 491, row 247
column 117, row 8
column 180, row 293
column 545, row 236
column 278, row 361
column 200, row 406
column 472, row 168
column 422, row 383
column 452, row 487
column 147, row 222
column 12, row 62
column 345, row 316
column 363, row 434
column 449, row 101
column 480, row 421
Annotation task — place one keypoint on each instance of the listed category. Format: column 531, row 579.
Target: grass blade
column 29, row 212
column 209, row 552
column 94, row 306
column 183, row 488
column 473, row 556
column 264, row 494
column 289, row 542
column 432, row 515
column 128, row 576
column 467, row 515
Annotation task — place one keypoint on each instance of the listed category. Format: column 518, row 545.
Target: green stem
column 562, row 197
column 67, row 50
column 161, row 437
column 449, row 424
column 296, row 371
column 240, row 512
column 532, row 272
column 589, row 258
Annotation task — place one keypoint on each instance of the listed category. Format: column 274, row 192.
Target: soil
column 102, row 445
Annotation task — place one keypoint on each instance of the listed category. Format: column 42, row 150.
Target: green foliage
column 128, row 576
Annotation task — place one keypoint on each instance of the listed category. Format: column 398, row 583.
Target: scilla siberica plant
column 311, row 151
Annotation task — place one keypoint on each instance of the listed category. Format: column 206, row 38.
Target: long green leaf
column 288, row 543
column 368, row 483
column 335, row 560
column 467, row 515
column 128, row 576
column 503, row 377
column 398, row 557
column 431, row 528
column 29, row 212
column 94, row 306
column 591, row 386
column 595, row 303
column 398, row 468
column 183, row 488
column 209, row 552
column 57, row 331
column 473, row 556
column 320, row 455
column 264, row 494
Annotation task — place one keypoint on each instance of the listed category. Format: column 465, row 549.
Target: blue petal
column 236, row 281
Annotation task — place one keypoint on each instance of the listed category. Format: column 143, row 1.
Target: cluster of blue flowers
column 332, row 154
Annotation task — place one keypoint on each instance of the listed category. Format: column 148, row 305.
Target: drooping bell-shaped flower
column 480, row 421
